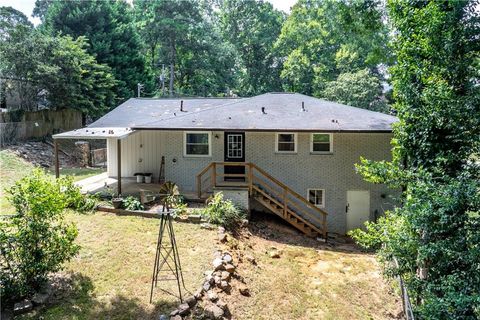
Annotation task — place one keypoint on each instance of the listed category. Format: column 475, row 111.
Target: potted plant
column 139, row 177
column 148, row 177
column 117, row 202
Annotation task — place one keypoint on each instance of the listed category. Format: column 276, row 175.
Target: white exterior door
column 358, row 209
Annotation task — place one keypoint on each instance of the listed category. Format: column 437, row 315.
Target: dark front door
column 234, row 152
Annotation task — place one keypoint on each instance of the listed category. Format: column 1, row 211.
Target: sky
column 26, row 6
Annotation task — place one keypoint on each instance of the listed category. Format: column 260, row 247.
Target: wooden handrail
column 249, row 177
column 295, row 194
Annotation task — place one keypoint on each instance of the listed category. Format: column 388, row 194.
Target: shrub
column 132, row 203
column 36, row 240
column 73, row 196
column 223, row 212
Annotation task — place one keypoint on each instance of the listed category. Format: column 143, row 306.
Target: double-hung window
column 321, row 143
column 197, row 144
column 316, row 197
column 286, row 143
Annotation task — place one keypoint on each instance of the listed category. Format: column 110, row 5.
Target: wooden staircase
column 270, row 192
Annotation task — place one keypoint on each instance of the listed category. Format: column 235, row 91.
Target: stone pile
column 207, row 301
column 38, row 153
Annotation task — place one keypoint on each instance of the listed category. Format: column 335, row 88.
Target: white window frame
column 321, row 152
column 197, row 155
column 295, row 141
column 323, row 197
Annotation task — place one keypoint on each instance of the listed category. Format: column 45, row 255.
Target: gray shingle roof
column 283, row 112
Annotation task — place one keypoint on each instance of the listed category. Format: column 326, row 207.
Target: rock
column 212, row 296
column 210, row 279
column 230, row 268
column 191, row 301
column 198, row 294
column 206, row 286
column 177, row 317
column 213, row 311
column 222, row 237
column 224, row 285
column 22, row 307
column 40, row 298
column 244, row 291
column 174, row 313
column 225, row 275
column 183, row 309
column 227, row 258
column 207, row 226
column 218, row 279
column 221, row 304
column 274, row 254
column 251, row 259
column 218, row 264
column 221, row 229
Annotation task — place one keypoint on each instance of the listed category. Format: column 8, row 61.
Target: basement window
column 316, row 197
column 321, row 143
column 197, row 144
column 286, row 143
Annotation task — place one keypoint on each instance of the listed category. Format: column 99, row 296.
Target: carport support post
column 119, row 166
column 57, row 167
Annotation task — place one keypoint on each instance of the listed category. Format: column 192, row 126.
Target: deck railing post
column 250, row 178
column 214, row 174
column 199, row 186
column 284, row 203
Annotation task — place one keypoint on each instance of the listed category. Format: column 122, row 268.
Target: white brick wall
column 333, row 172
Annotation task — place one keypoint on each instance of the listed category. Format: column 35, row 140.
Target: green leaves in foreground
column 37, row 240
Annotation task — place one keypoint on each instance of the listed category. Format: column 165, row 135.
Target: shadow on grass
column 273, row 228
column 74, row 298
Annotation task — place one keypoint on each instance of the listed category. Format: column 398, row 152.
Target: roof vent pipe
column 181, row 105
column 263, row 110
column 303, row 106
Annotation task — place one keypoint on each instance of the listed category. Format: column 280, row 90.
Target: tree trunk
column 172, row 66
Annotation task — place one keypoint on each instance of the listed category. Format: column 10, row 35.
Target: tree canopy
column 434, row 234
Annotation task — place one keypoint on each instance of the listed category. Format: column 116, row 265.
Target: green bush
column 73, row 196
column 132, row 203
column 223, row 212
column 36, row 240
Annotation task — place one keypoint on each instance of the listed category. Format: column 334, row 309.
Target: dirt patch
column 295, row 277
column 40, row 154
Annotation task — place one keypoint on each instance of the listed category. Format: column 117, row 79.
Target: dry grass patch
column 113, row 271
column 310, row 280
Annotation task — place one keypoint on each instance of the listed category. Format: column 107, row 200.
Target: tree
column 37, row 240
column 435, row 234
column 111, row 33
column 182, row 36
column 252, row 27
column 12, row 20
column 61, row 69
column 322, row 39
column 360, row 89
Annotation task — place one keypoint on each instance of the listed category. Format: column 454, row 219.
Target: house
column 287, row 153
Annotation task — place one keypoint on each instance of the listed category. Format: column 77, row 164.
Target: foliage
column 12, row 21
column 74, row 199
column 323, row 40
column 223, row 212
column 132, row 203
column 252, row 27
column 180, row 209
column 57, row 69
column 109, row 29
column 36, row 241
column 359, row 89
column 434, row 234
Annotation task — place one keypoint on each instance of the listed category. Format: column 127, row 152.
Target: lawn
column 110, row 278
column 112, row 273
column 13, row 168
